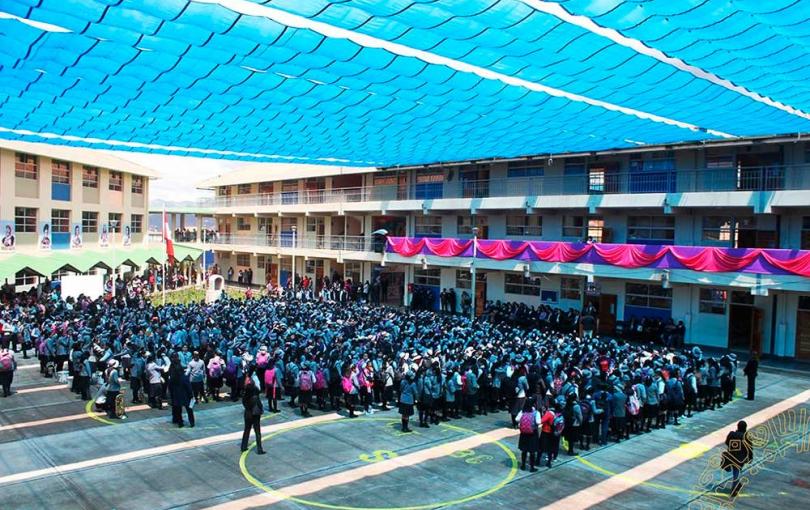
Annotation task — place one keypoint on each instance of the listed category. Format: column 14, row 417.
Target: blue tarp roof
column 373, row 82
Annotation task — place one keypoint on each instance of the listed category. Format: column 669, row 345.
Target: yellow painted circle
column 654, row 485
column 277, row 493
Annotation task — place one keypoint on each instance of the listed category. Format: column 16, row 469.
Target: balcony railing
column 768, row 178
column 337, row 243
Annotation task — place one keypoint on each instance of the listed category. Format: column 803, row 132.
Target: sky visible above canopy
column 388, row 82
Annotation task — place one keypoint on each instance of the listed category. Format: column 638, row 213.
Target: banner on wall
column 126, row 239
column 104, row 236
column 76, row 240
column 45, row 239
column 9, row 236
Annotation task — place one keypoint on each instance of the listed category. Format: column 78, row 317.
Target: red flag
column 167, row 238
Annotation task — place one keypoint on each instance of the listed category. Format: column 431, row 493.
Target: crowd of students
column 530, row 362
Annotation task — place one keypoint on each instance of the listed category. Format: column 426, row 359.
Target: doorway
column 605, row 305
column 803, row 329
column 480, row 292
column 744, row 322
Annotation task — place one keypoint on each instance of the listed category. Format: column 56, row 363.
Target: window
column 464, row 225
column 89, row 176
column 24, row 278
column 243, row 259
column 89, row 221
column 717, row 228
column 659, row 229
column 60, row 221
column 25, row 166
column 522, row 169
column 463, row 279
column 571, row 288
column 136, row 223
column 242, row 223
column 265, row 187
column 243, row 189
column 805, row 233
column 116, row 181
column 352, row 271
column 574, row 226
column 428, row 276
column 60, row 273
column 137, row 184
column 719, row 162
column 655, row 162
column 648, row 296
column 114, row 220
column 60, row 172
column 224, row 191
column 429, row 185
column 517, row 283
column 25, row 219
column 524, row 225
column 427, row 226
column 713, row 301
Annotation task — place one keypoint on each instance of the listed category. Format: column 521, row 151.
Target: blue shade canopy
column 390, row 82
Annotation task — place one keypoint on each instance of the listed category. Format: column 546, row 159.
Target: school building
column 735, row 195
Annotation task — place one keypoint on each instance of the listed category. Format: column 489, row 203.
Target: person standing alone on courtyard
column 252, row 402
column 7, row 367
column 751, row 371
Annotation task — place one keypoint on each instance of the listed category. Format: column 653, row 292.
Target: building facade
column 56, row 201
column 740, row 194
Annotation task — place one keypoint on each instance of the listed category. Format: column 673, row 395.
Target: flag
column 167, row 238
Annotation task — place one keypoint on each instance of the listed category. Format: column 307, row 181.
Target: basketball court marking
column 293, row 492
column 633, row 477
column 151, row 452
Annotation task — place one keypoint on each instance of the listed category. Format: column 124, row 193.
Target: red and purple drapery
column 630, row 256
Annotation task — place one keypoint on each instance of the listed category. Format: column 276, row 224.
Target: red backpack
column 528, row 423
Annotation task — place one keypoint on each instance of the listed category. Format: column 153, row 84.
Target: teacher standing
column 252, row 402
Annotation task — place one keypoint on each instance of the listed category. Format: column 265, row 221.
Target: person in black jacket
column 252, row 402
column 181, row 393
column 739, row 453
column 750, row 371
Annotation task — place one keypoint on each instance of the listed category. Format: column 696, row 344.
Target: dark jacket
column 739, row 451
column 180, row 389
column 751, row 368
column 251, row 401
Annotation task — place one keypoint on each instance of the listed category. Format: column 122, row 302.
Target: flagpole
column 165, row 255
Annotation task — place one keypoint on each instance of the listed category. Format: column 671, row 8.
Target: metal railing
column 337, row 243
column 766, row 178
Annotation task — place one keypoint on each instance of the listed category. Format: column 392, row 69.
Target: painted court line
column 626, row 480
column 42, row 388
column 150, row 452
column 375, row 469
column 62, row 419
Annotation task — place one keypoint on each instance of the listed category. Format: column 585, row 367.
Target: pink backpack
column 320, row 380
column 305, row 380
column 528, row 423
column 270, row 377
column 347, row 385
column 261, row 359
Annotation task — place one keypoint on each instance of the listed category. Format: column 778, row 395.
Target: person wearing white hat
column 113, row 387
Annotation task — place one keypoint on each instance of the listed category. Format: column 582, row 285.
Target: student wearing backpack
column 321, row 385
column 690, row 392
column 408, row 392
column 521, row 387
column 262, row 362
column 619, row 411
column 7, row 367
column 306, row 382
column 471, row 390
column 586, row 406
column 573, row 422
column 215, row 375
column 424, row 387
column 529, row 421
column 272, row 385
column 651, row 404
column 350, row 389
column 547, row 436
column 674, row 390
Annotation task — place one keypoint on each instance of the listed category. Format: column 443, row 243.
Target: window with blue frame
column 60, row 180
column 524, row 169
column 643, row 300
column 60, row 228
column 429, row 185
column 651, row 229
column 575, row 175
column 653, row 173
